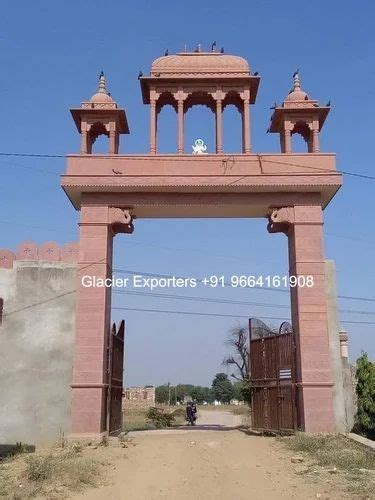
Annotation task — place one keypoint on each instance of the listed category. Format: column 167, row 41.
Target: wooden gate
column 115, row 378
column 273, row 380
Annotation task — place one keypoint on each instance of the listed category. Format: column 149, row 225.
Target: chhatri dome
column 101, row 95
column 200, row 64
column 297, row 94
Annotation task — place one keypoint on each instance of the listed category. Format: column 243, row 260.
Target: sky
column 51, row 55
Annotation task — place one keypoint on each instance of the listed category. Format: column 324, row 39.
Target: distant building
column 138, row 397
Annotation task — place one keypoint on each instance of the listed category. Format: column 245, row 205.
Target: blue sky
column 51, row 54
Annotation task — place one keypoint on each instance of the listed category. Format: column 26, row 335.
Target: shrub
column 159, row 418
column 38, row 468
column 365, row 389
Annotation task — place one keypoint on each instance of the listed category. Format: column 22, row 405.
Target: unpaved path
column 194, row 463
column 219, row 418
column 208, row 420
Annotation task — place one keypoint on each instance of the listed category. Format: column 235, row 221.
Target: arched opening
column 200, row 121
column 300, row 138
column 160, row 342
column 232, row 123
column 98, row 138
column 166, row 124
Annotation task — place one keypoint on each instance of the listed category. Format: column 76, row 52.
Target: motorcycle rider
column 191, row 412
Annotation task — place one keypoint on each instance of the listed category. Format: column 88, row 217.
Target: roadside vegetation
column 152, row 418
column 365, row 390
column 336, row 455
column 53, row 473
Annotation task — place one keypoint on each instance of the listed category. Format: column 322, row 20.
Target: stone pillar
column 303, row 225
column 287, row 141
column 93, row 307
column 344, row 351
column 153, row 119
column 348, row 386
column 84, row 149
column 180, row 111
column 219, row 125
column 315, row 140
column 309, row 142
column 112, row 142
column 246, row 127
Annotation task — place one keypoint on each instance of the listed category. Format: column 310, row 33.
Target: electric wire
column 118, row 157
column 224, row 301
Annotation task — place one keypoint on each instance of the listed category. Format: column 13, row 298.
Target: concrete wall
column 343, row 404
column 36, row 348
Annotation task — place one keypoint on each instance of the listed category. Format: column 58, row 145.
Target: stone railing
column 30, row 251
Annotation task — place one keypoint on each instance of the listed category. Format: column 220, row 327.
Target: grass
column 135, row 419
column 52, row 474
column 333, row 451
column 241, row 410
column 356, row 462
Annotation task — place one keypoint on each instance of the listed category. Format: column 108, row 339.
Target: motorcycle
column 191, row 414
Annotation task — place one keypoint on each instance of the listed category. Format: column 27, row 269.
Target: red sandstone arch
column 256, row 185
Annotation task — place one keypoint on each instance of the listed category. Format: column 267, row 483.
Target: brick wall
column 138, row 397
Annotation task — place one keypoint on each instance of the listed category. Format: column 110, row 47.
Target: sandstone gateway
column 290, row 190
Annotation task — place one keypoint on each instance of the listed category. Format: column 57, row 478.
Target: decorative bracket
column 120, row 220
column 280, row 220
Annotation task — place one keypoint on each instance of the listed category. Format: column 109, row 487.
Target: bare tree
column 238, row 340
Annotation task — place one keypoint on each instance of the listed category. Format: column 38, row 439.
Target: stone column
column 315, row 140
column 303, row 225
column 112, row 142
column 219, row 125
column 84, row 142
column 246, row 127
column 84, row 149
column 287, row 140
column 348, row 386
column 93, row 307
column 344, row 351
column 153, row 119
column 180, row 111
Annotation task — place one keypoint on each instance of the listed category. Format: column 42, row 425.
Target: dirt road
column 220, row 464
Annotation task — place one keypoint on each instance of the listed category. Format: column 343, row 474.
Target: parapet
column 49, row 251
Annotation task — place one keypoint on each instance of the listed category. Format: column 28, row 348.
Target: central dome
column 200, row 64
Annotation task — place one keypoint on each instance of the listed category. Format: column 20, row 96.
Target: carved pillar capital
column 120, row 220
column 280, row 220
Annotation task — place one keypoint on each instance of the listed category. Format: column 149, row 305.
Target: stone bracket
column 280, row 220
column 120, row 220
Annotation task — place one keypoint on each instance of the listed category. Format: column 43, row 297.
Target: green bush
column 159, row 418
column 365, row 389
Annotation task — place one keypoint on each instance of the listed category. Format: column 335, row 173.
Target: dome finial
column 102, row 88
column 296, row 80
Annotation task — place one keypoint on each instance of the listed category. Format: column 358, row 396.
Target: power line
column 199, row 280
column 223, row 301
column 218, row 315
column 195, row 313
column 344, row 172
column 178, row 312
column 199, row 299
